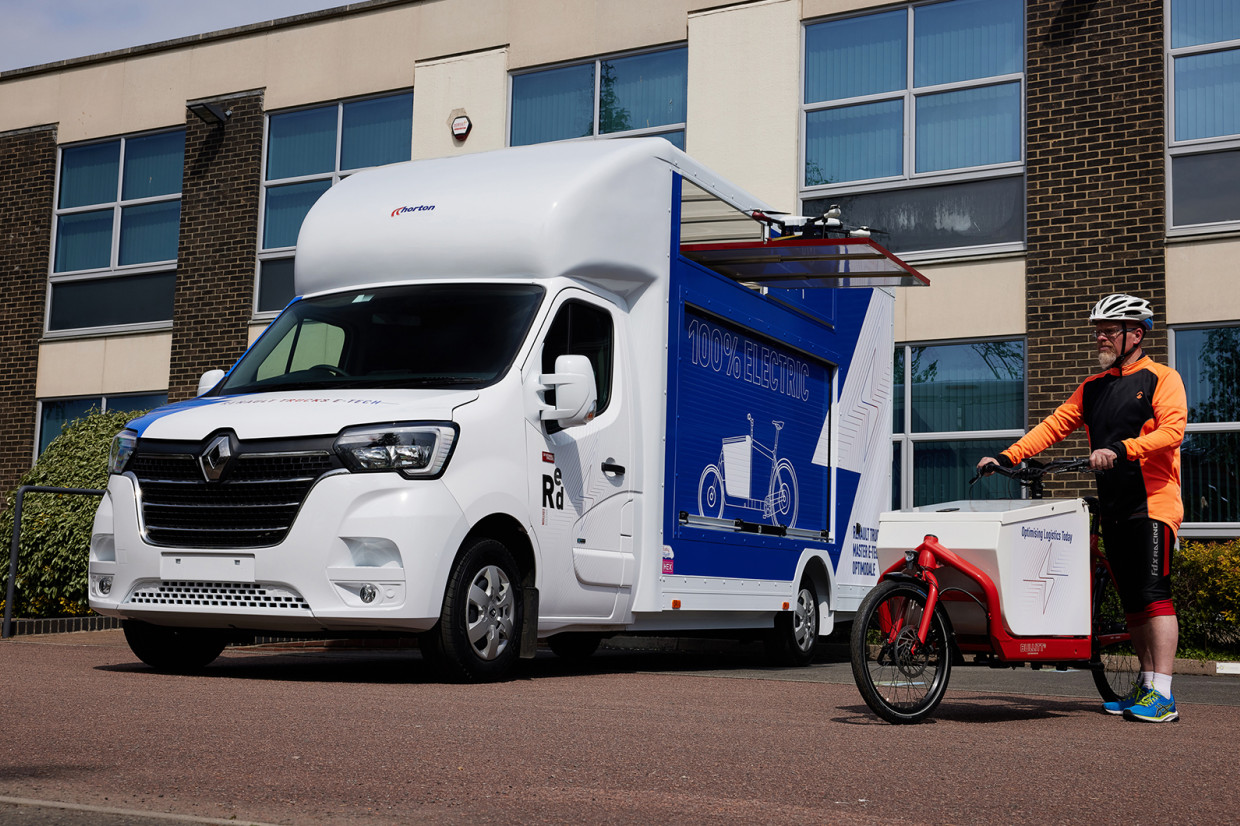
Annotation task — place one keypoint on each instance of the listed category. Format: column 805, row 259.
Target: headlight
column 414, row 450
column 123, row 444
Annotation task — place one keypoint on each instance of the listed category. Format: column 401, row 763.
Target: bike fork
column 932, row 601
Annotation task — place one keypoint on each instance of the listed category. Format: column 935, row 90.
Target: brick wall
column 219, row 238
column 27, row 179
column 1096, row 182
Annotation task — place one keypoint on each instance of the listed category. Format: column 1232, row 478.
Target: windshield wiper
column 437, row 381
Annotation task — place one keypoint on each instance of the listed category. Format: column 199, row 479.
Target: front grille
column 219, row 595
column 253, row 505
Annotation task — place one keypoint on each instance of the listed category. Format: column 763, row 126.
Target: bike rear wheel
column 1112, row 663
column 901, row 679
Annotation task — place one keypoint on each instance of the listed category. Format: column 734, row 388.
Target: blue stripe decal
column 141, row 423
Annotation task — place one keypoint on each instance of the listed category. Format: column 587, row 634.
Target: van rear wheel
column 574, row 645
column 177, row 650
column 794, row 639
column 478, row 636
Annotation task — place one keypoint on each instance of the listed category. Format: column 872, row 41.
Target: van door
column 581, row 496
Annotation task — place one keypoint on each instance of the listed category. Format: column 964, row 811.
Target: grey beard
column 1107, row 359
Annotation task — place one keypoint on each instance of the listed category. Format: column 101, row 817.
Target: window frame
column 102, row 406
column 1173, row 148
column 904, row 440
column 1203, row 529
column 909, row 95
column 113, row 269
column 605, row 395
column 335, row 176
column 643, row 132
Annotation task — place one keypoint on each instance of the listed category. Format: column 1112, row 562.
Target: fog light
column 368, row 593
column 105, row 585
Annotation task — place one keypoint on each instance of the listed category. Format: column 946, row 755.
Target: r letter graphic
column 553, row 491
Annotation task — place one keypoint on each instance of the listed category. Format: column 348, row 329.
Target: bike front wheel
column 1112, row 662
column 901, row 679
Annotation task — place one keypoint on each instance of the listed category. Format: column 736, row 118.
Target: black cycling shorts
column 1139, row 551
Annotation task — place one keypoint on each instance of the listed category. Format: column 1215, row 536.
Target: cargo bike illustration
column 1008, row 581
column 729, row 482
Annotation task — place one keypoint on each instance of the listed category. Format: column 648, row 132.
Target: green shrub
column 55, row 539
column 1206, row 592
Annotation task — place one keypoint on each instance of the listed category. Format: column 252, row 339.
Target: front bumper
column 366, row 552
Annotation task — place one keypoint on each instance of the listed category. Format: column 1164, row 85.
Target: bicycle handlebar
column 1027, row 473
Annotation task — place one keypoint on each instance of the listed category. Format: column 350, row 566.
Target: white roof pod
column 594, row 210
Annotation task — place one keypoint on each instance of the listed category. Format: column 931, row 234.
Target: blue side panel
column 735, row 355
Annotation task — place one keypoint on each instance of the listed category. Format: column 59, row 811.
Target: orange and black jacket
column 1139, row 412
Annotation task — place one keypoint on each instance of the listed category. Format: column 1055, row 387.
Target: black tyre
column 574, row 645
column 478, row 636
column 1112, row 662
column 901, row 679
column 176, row 650
column 794, row 639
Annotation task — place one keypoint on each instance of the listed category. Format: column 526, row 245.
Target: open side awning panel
column 807, row 262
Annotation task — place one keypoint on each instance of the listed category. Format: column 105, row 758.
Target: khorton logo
column 418, row 208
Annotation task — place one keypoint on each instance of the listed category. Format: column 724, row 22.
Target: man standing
column 1134, row 414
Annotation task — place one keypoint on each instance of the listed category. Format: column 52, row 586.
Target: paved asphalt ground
column 89, row 736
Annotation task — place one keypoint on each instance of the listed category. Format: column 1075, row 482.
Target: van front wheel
column 178, row 650
column 479, row 630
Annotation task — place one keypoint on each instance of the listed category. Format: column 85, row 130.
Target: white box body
column 1035, row 551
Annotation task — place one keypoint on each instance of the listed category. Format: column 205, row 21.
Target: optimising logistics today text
column 1039, row 534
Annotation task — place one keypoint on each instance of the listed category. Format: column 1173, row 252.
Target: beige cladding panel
column 475, row 85
column 340, row 58
column 154, row 91
column 226, row 66
column 823, row 8
column 30, row 102
column 546, row 31
column 98, row 366
column 979, row 298
column 744, row 62
column 90, row 103
column 1201, row 282
column 441, row 29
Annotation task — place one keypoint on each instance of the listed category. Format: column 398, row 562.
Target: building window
column 913, row 123
column 953, row 404
column 1203, row 57
column 308, row 151
column 56, row 414
column 117, row 226
column 1208, row 359
column 633, row 95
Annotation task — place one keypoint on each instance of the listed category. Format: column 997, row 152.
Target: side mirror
column 209, row 379
column 576, row 395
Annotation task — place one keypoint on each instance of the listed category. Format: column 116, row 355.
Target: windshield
column 425, row 335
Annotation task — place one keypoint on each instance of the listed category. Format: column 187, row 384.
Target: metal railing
column 13, row 551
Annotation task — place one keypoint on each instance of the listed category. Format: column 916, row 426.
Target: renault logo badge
column 215, row 458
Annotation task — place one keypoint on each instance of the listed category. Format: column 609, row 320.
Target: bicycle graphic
column 729, row 482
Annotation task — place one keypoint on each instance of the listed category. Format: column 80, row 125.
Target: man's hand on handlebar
column 1102, row 459
column 983, row 468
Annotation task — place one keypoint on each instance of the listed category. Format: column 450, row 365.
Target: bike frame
column 921, row 562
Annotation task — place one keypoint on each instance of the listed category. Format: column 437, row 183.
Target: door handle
column 612, row 467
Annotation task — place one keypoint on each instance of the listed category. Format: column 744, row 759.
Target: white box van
column 563, row 391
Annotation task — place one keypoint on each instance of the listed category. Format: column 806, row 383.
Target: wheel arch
column 506, row 529
column 816, row 569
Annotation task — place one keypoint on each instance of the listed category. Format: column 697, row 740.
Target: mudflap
column 529, row 623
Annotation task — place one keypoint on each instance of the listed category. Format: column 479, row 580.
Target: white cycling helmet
column 1120, row 307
